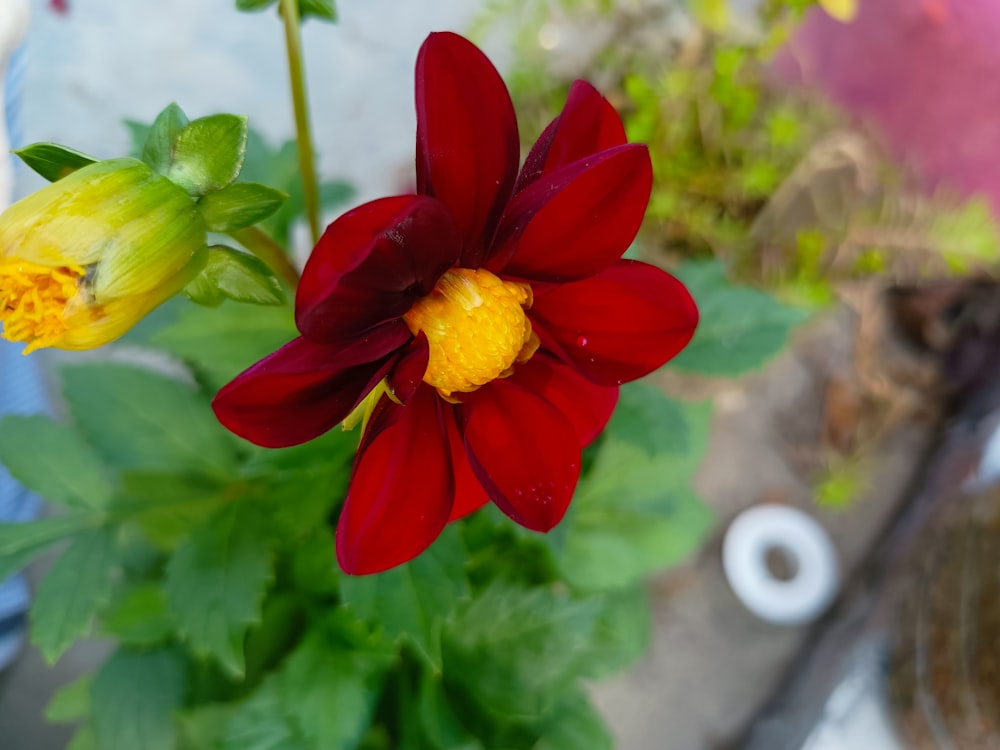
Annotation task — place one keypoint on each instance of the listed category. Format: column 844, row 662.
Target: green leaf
column 139, row 419
column 634, row 513
column 261, row 722
column 331, row 691
column 140, row 616
column 52, row 460
column 240, row 205
column 280, row 168
column 84, row 739
column 412, row 600
column 76, row 587
column 221, row 343
column 167, row 505
column 231, row 274
column 52, row 161
column 437, row 717
column 323, row 9
column 647, row 418
column 741, row 328
column 204, row 727
column 215, row 583
column 622, row 631
column 575, row 725
column 20, row 543
column 71, row 702
column 513, row 651
column 134, row 698
column 209, row 153
column 158, row 150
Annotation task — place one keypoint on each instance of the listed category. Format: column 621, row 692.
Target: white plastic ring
column 814, row 579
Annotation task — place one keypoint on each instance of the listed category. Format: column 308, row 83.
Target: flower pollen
column 33, row 299
column 476, row 329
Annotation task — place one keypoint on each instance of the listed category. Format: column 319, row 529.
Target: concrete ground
column 712, row 664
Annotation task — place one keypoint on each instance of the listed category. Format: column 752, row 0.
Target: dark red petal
column 469, row 493
column 467, row 143
column 372, row 264
column 304, row 389
column 587, row 125
column 524, row 452
column 401, row 489
column 408, row 372
column 576, row 221
column 619, row 325
column 586, row 406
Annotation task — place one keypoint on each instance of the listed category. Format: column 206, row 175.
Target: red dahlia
column 481, row 327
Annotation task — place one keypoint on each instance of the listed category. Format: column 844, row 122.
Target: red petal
column 467, row 143
column 304, row 389
column 587, row 125
column 372, row 264
column 401, row 489
column 619, row 325
column 469, row 493
column 408, row 372
column 586, row 406
column 524, row 452
column 576, row 221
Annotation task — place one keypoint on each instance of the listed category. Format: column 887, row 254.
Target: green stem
column 269, row 251
column 300, row 103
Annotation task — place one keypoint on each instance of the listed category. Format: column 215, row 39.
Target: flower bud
column 84, row 259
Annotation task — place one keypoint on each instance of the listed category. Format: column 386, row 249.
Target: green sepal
column 240, row 205
column 52, row 161
column 230, row 274
column 208, row 153
column 323, row 9
column 158, row 150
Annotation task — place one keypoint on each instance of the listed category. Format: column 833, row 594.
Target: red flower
column 484, row 325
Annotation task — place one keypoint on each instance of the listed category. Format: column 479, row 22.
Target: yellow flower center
column 475, row 327
column 32, row 301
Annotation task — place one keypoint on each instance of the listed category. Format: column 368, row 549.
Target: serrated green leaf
column 54, row 461
column 437, row 718
column 76, row 587
column 239, row 205
column 52, row 161
column 134, row 698
column 158, row 149
column 575, row 725
column 71, row 702
column 139, row 616
column 634, row 513
column 740, row 328
column 20, row 543
column 208, row 153
column 331, row 691
column 221, row 343
column 261, row 722
column 215, row 583
column 514, row 651
column 168, row 505
column 412, row 600
column 231, row 274
column 139, row 419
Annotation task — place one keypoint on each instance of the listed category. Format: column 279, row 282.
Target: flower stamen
column 476, row 329
column 33, row 299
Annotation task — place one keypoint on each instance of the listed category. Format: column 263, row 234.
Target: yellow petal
column 844, row 11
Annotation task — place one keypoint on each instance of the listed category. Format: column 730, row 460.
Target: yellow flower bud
column 84, row 259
